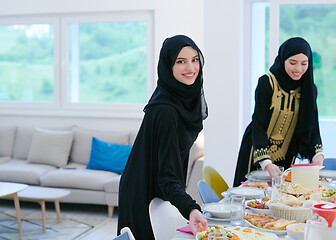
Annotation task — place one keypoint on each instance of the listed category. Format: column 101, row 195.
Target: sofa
column 58, row 158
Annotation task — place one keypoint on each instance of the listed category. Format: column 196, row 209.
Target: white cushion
column 7, row 136
column 50, row 147
column 81, row 149
column 22, row 172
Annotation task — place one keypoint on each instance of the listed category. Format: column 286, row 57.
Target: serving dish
column 256, row 210
column 217, row 210
column 251, row 233
column 328, row 174
column 276, row 232
column 248, row 192
column 296, row 231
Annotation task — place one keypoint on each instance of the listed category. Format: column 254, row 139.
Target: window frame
column 61, row 106
column 248, row 88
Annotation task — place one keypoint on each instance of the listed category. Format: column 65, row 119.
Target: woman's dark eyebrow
column 182, row 58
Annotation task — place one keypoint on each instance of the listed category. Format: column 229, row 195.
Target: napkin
column 185, row 229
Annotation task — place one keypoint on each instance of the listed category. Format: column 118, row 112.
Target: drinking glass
column 237, row 210
column 276, row 182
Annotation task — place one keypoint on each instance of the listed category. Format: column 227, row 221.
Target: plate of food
column 257, row 206
column 248, row 192
column 218, row 231
column 251, row 233
column 265, row 222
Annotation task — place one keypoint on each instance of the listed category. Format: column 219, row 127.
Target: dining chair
column 125, row 234
column 215, row 180
column 329, row 164
column 207, row 194
column 165, row 219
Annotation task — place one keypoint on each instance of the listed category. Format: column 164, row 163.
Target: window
column 78, row 61
column 26, row 63
column 272, row 22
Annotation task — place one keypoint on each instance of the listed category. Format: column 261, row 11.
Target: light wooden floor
column 106, row 230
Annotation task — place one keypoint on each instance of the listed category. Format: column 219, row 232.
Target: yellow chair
column 215, row 180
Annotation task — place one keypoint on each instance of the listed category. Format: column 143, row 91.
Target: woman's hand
column 196, row 221
column 318, row 159
column 273, row 170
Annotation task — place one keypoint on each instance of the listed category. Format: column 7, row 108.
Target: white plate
column 208, row 216
column 244, row 235
column 248, row 192
column 218, row 210
column 261, row 175
column 328, row 174
column 277, row 232
column 256, row 210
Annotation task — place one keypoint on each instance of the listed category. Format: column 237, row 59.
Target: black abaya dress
column 157, row 167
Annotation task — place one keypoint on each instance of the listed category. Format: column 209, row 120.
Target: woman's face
column 186, row 66
column 296, row 66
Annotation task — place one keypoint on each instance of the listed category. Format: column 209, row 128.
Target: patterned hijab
column 308, row 116
column 188, row 100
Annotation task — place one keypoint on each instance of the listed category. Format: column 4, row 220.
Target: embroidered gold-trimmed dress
column 271, row 134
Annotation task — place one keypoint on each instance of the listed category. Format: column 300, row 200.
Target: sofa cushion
column 81, row 148
column 24, row 136
column 20, row 171
column 50, row 147
column 78, row 178
column 108, row 156
column 7, row 137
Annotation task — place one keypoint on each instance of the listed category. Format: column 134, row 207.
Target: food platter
column 243, row 234
column 248, row 192
column 277, row 232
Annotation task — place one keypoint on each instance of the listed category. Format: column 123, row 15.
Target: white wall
column 223, row 77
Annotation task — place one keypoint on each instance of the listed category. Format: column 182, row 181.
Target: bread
column 280, row 224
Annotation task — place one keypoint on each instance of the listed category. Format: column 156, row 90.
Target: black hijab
column 188, row 100
column 308, row 117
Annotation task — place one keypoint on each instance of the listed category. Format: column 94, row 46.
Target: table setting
column 291, row 207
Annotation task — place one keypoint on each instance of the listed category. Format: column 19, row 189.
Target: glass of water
column 237, row 210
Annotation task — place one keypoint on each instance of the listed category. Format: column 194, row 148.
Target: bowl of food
column 257, row 206
column 295, row 231
column 217, row 210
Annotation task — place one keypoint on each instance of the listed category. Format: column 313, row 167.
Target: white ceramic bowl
column 218, row 210
column 296, row 231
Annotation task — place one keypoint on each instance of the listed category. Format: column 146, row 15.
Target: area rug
column 72, row 225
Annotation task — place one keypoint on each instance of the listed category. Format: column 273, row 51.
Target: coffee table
column 8, row 189
column 42, row 195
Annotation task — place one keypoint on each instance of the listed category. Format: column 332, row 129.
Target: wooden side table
column 11, row 190
column 42, row 195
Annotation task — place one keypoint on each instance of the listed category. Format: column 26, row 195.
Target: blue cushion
column 108, row 156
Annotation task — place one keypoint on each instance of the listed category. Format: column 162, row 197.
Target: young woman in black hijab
column 158, row 163
column 285, row 119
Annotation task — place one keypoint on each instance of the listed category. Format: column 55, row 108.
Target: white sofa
column 58, row 158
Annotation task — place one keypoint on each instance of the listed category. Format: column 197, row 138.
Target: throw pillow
column 50, row 147
column 7, row 137
column 108, row 156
